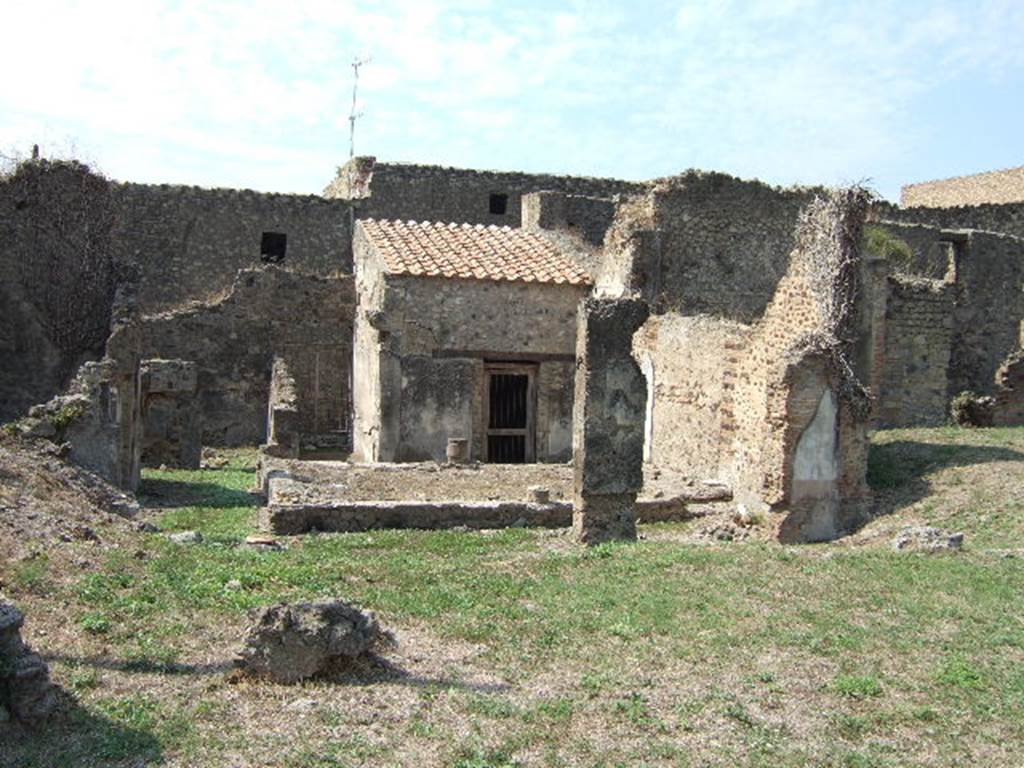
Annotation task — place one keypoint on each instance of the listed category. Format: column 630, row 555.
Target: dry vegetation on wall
column 829, row 240
column 59, row 253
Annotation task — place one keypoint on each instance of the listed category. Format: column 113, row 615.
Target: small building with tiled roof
column 463, row 332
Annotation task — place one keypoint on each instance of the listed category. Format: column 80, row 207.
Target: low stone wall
column 367, row 515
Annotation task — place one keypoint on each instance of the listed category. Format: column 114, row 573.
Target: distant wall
column 434, row 193
column 190, row 242
column 913, row 389
column 306, row 320
column 989, row 308
column 1007, row 218
column 1003, row 186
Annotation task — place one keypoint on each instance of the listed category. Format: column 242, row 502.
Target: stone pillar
column 608, row 420
column 172, row 433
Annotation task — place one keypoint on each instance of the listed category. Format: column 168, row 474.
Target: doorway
column 509, row 404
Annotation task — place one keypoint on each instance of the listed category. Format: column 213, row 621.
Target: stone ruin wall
column 434, row 193
column 59, row 280
column 914, row 384
column 1003, row 186
column 706, row 243
column 190, row 242
column 730, row 398
column 78, row 249
column 707, row 252
column 1006, row 218
column 953, row 316
column 989, row 309
column 690, row 364
column 233, row 343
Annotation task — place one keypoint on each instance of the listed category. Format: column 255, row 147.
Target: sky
column 257, row 93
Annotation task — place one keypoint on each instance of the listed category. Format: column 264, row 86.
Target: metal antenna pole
column 352, row 117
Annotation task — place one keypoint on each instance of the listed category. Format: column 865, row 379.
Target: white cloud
column 252, row 90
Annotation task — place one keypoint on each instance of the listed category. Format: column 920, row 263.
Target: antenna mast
column 353, row 115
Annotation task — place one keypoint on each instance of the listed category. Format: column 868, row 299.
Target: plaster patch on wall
column 816, row 471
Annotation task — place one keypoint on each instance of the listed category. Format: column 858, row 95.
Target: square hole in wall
column 273, row 246
column 499, row 204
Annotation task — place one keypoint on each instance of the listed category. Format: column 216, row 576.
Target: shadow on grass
column 373, row 668
column 178, row 493
column 897, row 471
column 76, row 737
column 142, row 665
column 370, row 669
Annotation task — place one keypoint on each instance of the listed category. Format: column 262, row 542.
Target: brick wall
column 1003, row 186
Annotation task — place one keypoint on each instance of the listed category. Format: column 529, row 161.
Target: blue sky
column 256, row 93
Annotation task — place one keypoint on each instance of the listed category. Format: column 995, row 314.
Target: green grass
column 664, row 649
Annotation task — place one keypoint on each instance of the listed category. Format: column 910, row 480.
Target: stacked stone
column 25, row 688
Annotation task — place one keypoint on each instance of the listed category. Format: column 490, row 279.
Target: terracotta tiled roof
column 470, row 251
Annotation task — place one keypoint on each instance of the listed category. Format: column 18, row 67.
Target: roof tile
column 468, row 251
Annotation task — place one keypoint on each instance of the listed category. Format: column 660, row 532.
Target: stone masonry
column 608, row 436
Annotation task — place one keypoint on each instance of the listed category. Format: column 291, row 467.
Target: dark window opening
column 273, row 246
column 499, row 204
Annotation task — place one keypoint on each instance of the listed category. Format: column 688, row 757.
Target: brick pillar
column 608, row 420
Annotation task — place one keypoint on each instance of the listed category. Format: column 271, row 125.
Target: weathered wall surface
column 989, row 309
column 1003, row 186
column 434, row 193
column 58, row 278
column 914, row 385
column 706, row 243
column 190, row 242
column 588, row 218
column 171, row 431
column 1009, row 398
column 690, row 363
column 271, row 311
column 284, row 436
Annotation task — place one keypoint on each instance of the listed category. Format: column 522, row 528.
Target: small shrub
column 67, row 415
column 960, row 673
column 969, row 409
column 879, row 242
column 857, row 686
column 95, row 623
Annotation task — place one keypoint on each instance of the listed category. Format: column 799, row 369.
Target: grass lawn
column 519, row 648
